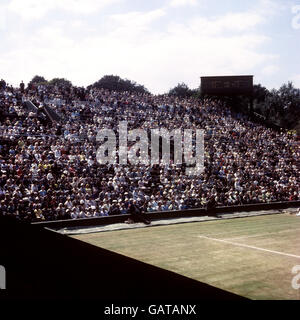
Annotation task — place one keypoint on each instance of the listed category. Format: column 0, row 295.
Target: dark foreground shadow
column 42, row 264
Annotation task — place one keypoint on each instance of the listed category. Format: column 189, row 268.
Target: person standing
column 22, row 86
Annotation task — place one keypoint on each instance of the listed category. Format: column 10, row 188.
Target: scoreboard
column 227, row 85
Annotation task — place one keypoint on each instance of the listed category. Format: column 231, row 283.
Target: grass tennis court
column 252, row 257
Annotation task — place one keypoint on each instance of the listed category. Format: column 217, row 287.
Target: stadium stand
column 49, row 169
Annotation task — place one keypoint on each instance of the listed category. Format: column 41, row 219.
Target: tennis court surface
column 252, row 257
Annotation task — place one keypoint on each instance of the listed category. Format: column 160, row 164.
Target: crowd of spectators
column 49, row 171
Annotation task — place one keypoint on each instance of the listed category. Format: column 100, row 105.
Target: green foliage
column 181, row 91
column 37, row 80
column 115, row 83
column 60, row 82
column 260, row 93
column 281, row 106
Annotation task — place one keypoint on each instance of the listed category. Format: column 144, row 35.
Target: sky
column 157, row 43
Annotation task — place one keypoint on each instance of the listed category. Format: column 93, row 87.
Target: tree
column 260, row 93
column 281, row 106
column 181, row 91
column 115, row 83
column 37, row 80
column 289, row 101
column 60, row 82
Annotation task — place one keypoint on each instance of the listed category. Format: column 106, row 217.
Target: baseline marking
column 250, row 247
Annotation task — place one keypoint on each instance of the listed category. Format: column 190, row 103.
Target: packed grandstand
column 49, row 169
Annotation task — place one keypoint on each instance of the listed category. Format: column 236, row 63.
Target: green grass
column 245, row 271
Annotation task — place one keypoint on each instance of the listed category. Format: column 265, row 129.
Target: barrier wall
column 166, row 215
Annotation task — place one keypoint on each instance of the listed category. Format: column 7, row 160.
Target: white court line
column 251, row 247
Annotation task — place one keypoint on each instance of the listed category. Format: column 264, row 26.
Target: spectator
column 50, row 172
